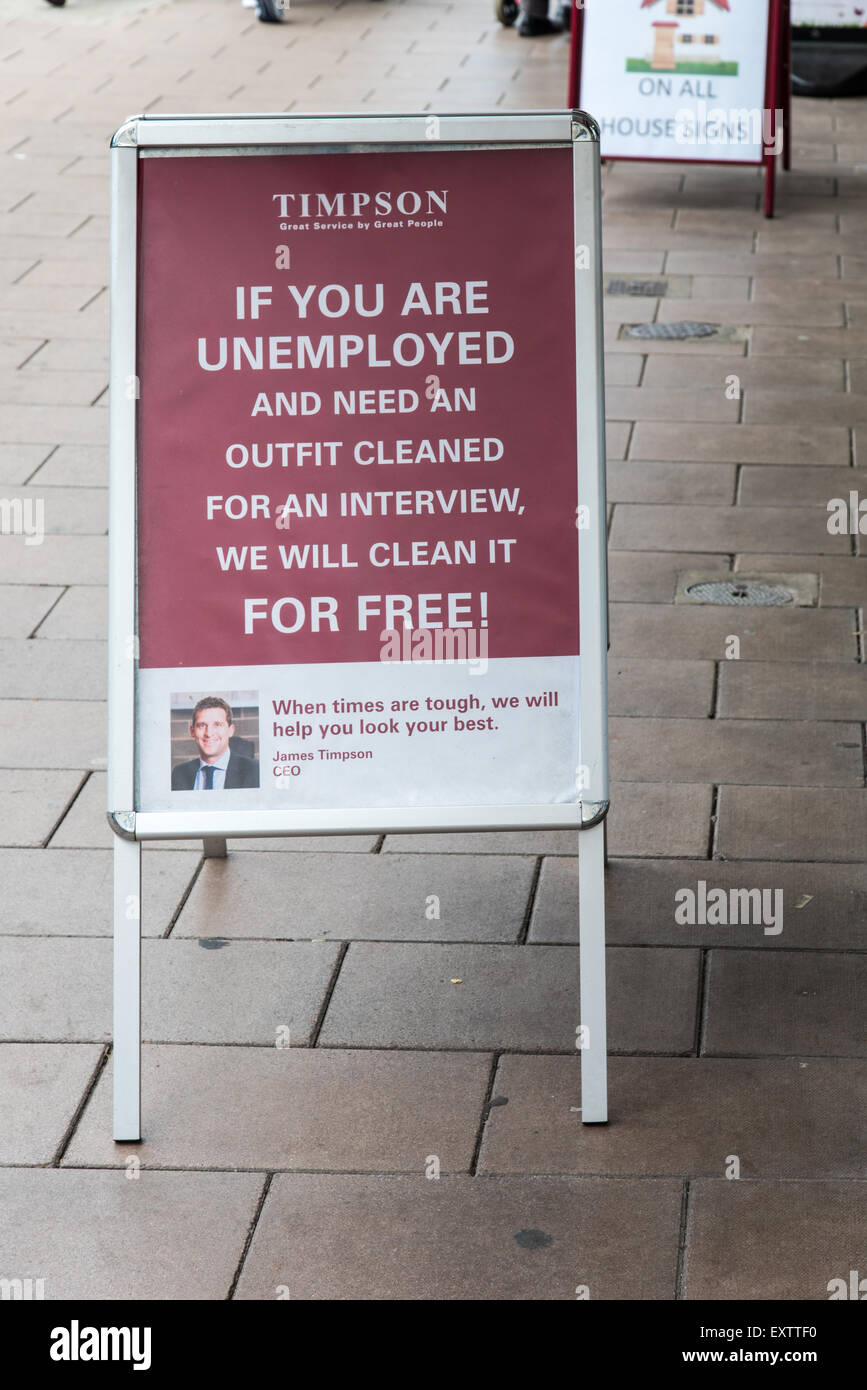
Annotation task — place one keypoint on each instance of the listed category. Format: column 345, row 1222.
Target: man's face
column 212, row 732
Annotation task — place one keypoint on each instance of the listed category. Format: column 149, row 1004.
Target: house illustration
column 686, row 42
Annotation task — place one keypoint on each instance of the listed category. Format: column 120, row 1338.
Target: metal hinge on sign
column 592, row 812
column 122, row 823
column 584, row 127
column 127, row 134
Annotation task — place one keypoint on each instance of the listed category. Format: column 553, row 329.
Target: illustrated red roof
column 720, row 4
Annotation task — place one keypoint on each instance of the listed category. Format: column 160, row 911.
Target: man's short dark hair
column 213, row 702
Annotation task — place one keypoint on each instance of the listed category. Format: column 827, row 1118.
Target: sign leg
column 787, row 84
column 127, row 989
column 591, row 909
column 770, row 184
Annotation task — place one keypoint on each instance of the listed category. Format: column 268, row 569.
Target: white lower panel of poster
column 374, row 734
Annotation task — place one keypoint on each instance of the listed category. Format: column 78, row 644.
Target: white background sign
column 677, row 79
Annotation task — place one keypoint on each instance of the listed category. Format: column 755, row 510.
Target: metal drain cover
column 738, row 593
column 673, row 330
column 641, row 289
column 721, row 587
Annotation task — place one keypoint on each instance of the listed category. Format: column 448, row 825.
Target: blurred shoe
column 530, row 28
column 270, row 11
column 57, row 2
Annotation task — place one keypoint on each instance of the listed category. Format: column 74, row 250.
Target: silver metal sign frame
column 250, row 135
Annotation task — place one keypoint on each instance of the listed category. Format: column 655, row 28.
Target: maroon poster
column 357, row 479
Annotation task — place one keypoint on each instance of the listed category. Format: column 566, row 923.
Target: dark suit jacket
column 241, row 772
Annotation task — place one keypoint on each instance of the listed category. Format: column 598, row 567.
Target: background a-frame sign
column 344, row 417
column 641, row 65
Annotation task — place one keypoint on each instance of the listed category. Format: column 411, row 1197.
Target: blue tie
column 209, row 777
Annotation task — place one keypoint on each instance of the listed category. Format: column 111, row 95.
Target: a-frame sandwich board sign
column 693, row 81
column 357, row 515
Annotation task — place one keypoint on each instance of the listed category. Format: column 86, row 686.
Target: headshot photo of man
column 219, row 766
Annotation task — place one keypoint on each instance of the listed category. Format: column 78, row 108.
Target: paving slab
column 803, row 1003
column 32, row 802
column 745, row 751
column 516, row 997
column 19, row 461
column 816, row 444
column 399, row 897
column 784, row 823
column 622, row 371
column 41, row 734
column 793, row 690
column 680, row 1116
column 47, row 671
column 808, row 342
column 28, row 386
column 716, row 529
column 822, row 313
column 822, row 905
column 65, row 354
column 655, row 403
column 80, row 616
column 57, row 560
column 79, row 466
column 51, row 424
column 70, row 892
column 66, row 510
column 785, row 408
column 807, row 239
column 295, row 1108
column 770, row 262
column 40, row 1089
column 653, row 818
column 753, row 374
column 798, row 487
column 660, row 688
column 702, row 631
column 528, row 1238
column 695, row 483
column 768, row 1241
column 102, row 1236
column 664, row 239
column 75, row 272
column 213, row 991
column 24, row 606
column 817, row 221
